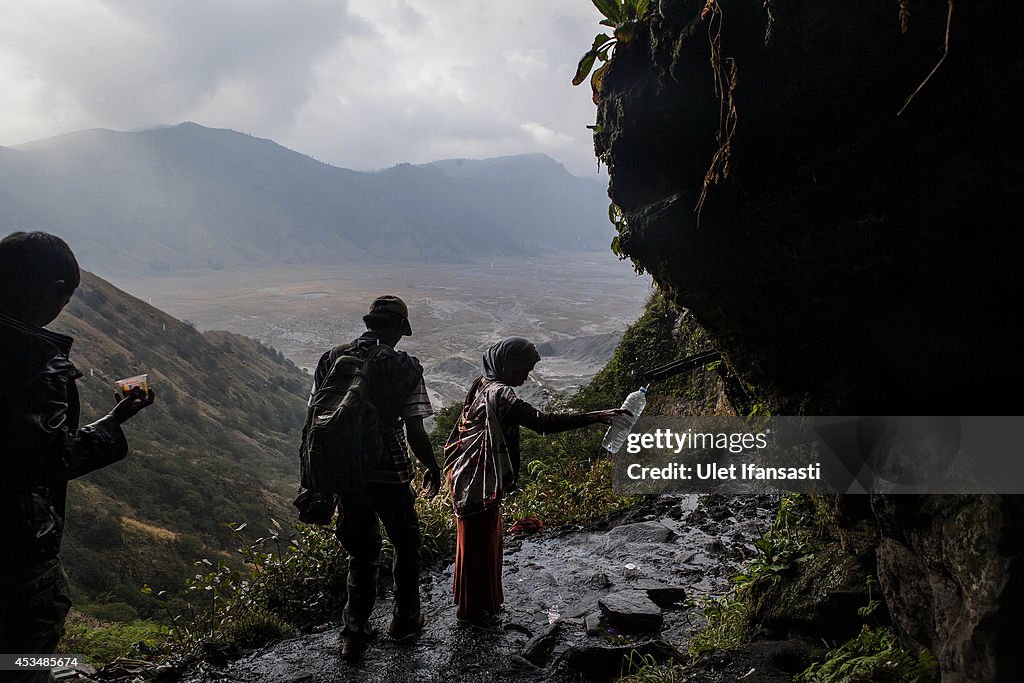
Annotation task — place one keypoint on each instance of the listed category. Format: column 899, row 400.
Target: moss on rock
column 820, row 596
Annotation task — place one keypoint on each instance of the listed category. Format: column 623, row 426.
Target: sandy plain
column 456, row 310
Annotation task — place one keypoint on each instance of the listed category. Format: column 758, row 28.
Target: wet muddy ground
column 558, row 576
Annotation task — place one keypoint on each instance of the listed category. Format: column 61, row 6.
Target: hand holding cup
column 134, row 394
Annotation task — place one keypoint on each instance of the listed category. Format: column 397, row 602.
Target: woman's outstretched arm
column 524, row 414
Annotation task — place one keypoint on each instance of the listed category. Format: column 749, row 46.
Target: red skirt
column 478, row 554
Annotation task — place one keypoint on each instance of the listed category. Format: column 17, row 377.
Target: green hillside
column 218, row 446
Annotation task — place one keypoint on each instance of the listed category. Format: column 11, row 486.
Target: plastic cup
column 128, row 383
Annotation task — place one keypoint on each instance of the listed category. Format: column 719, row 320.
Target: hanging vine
column 945, row 52
column 725, row 78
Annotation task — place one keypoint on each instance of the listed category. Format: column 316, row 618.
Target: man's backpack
column 341, row 439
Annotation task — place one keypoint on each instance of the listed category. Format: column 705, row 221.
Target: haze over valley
column 238, row 233
column 573, row 305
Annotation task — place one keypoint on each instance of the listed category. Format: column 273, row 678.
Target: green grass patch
column 728, row 625
column 645, row 669
column 103, row 643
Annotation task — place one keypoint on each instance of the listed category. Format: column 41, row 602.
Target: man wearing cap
column 396, row 389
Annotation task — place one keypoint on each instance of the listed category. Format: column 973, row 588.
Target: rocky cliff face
column 845, row 255
column 849, row 251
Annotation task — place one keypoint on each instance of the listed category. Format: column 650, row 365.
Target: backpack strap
column 366, row 352
column 370, row 351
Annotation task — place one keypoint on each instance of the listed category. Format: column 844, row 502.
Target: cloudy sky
column 363, row 84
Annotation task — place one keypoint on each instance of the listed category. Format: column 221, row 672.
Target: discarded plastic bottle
column 622, row 424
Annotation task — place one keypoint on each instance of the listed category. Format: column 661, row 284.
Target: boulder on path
column 631, row 610
column 538, row 649
column 642, row 532
column 662, row 594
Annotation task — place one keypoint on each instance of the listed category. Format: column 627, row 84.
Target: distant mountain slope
column 189, row 196
column 595, row 348
column 218, row 446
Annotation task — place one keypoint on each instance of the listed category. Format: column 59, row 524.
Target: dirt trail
column 678, row 542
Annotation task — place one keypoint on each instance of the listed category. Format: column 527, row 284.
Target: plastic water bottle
column 622, row 424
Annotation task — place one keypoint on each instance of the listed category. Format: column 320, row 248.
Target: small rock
column 219, row 654
column 642, row 532
column 631, row 610
column 517, row 663
column 538, row 649
column 165, row 673
column 582, row 610
column 663, row 595
column 545, row 577
column 719, row 513
column 593, row 623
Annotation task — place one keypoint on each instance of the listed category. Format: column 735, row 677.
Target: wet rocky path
column 576, row 601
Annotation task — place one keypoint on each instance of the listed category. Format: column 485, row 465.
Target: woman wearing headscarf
column 482, row 455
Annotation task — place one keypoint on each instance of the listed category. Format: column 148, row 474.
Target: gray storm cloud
column 130, row 64
column 357, row 83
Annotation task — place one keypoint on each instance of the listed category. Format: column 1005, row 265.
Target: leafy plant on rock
column 874, row 655
column 780, row 548
column 623, row 17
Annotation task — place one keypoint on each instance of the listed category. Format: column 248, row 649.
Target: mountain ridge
column 188, row 196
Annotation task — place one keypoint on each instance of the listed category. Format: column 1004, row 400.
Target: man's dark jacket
column 41, row 445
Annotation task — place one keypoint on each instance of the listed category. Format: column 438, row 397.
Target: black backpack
column 341, row 439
